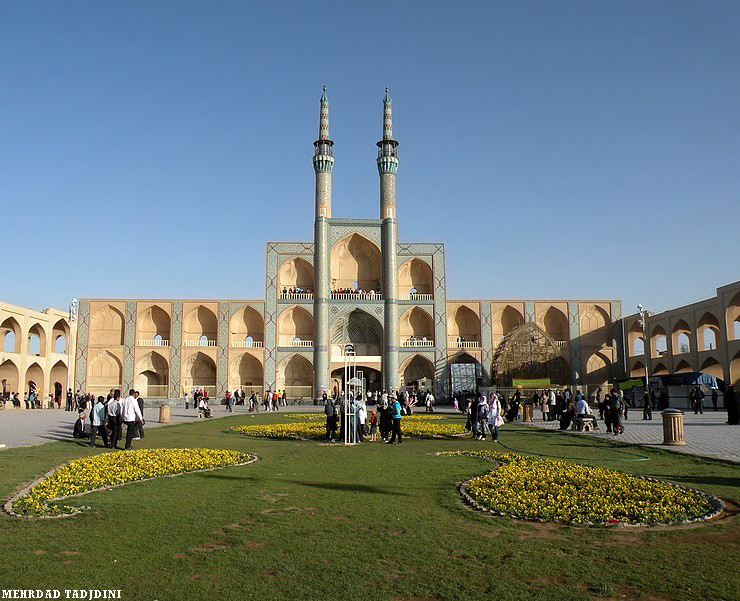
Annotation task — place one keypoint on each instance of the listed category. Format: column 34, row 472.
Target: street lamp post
column 645, row 343
column 72, row 319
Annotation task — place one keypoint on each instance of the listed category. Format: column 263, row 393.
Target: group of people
column 485, row 415
column 356, row 292
column 107, row 417
column 352, row 420
column 287, row 292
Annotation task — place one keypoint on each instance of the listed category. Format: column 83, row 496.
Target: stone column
column 389, row 241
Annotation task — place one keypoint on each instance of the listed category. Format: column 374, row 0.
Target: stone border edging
column 716, row 503
column 8, row 506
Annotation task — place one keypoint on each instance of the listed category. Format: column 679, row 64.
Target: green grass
column 375, row 521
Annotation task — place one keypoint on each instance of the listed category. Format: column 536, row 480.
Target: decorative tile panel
column 175, row 350
column 222, row 357
column 486, row 341
column 618, row 338
column 83, row 330
column 339, row 229
column 129, row 347
column 574, row 326
column 270, row 311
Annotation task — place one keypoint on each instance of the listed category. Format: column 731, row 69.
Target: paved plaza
column 706, row 435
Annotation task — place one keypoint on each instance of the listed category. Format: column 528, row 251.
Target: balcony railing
column 199, row 343
column 463, row 344
column 152, row 343
column 418, row 343
column 246, row 344
column 356, row 296
column 415, row 296
column 561, row 343
column 296, row 295
column 301, row 343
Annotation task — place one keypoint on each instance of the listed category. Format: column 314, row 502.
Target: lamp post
column 642, row 321
column 72, row 319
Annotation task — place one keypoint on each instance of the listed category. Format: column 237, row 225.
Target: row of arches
column 35, row 336
column 683, row 338
column 34, row 376
column 710, row 366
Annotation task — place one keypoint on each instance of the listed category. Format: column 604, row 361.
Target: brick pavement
column 706, row 435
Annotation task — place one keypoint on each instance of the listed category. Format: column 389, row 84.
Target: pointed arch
column 658, row 342
column 555, row 323
column 10, row 330
column 360, row 329
column 416, row 323
column 638, row 370
column 295, row 373
column 636, row 340
column 595, row 330
column 506, row 320
column 295, row 323
column 35, row 378
column 732, row 317
column 60, row 336
column 106, row 327
column 296, row 273
column 246, row 323
column 200, row 371
column 681, row 337
column 659, row 370
column 463, row 326
column 598, row 369
column 36, row 340
column 153, row 321
column 200, row 322
column 415, row 277
column 712, row 367
column 9, row 376
column 250, row 371
column 707, row 332
column 416, row 368
column 355, row 260
column 58, row 374
column 683, row 367
column 105, row 371
column 529, row 352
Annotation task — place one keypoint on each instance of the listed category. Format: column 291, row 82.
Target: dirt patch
column 39, row 552
column 265, row 573
column 539, row 582
column 298, row 510
column 339, row 518
column 68, row 553
column 254, row 545
column 272, row 497
column 542, row 531
column 233, row 526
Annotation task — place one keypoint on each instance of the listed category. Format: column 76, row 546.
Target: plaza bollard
column 528, row 412
column 164, row 414
column 673, row 427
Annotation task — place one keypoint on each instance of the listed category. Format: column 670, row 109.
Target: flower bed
column 87, row 474
column 410, row 426
column 559, row 491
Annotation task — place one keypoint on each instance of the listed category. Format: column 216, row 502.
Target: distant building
column 355, row 284
column 35, row 350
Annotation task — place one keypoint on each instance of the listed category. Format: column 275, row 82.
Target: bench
column 582, row 423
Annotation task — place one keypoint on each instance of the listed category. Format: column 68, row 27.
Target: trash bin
column 673, row 427
column 164, row 414
column 528, row 412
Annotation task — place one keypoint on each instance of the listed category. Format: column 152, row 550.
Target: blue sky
column 558, row 149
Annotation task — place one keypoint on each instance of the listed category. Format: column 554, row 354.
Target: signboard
column 531, row 383
column 463, row 376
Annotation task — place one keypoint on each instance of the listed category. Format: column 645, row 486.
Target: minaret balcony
column 416, row 296
column 353, row 296
column 296, row 296
column 418, row 343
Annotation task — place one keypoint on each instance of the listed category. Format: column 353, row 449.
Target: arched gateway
column 528, row 353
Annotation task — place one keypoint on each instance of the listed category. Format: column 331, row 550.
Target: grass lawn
column 311, row 521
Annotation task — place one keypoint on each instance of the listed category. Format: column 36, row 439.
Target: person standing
column 331, row 418
column 715, row 398
column 647, row 412
column 139, row 424
column 114, row 418
column 731, row 406
column 495, row 420
column 396, row 415
column 97, row 422
column 698, row 400
column 483, row 409
column 130, row 414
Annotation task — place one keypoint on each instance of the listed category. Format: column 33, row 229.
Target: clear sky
column 558, row 149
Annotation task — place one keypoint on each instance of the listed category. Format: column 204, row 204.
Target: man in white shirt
column 130, row 414
column 97, row 422
column 114, row 418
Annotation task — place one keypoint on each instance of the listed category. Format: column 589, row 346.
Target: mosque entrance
column 364, row 334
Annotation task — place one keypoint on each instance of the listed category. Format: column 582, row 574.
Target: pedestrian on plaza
column 373, row 426
column 483, row 409
column 697, row 400
column 97, row 422
column 647, row 412
column 330, row 411
column 715, row 398
column 114, row 418
column 551, row 401
column 139, row 424
column 731, row 406
column 396, row 416
column 495, row 413
column 130, row 414
column 473, row 416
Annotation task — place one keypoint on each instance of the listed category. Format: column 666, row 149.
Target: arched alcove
column 246, row 326
column 58, row 374
column 36, row 340
column 732, row 315
column 35, row 379
column 60, row 336
column 529, row 353
column 360, row 329
column 555, row 324
column 106, row 327
column 200, row 324
column 200, row 372
column 250, row 373
column 598, row 370
column 296, row 274
column 713, row 367
column 636, row 340
column 295, row 323
column 416, row 328
column 463, row 327
column 659, row 370
column 356, row 263
column 415, row 277
column 415, row 369
column 152, row 375
column 506, row 320
column 638, row 370
column 10, row 330
column 683, row 367
column 681, row 337
column 595, row 330
column 295, row 376
column 658, row 342
column 707, row 332
column 9, row 376
column 104, row 371
column 152, row 322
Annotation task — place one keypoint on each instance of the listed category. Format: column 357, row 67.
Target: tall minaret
column 323, row 161
column 387, row 167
